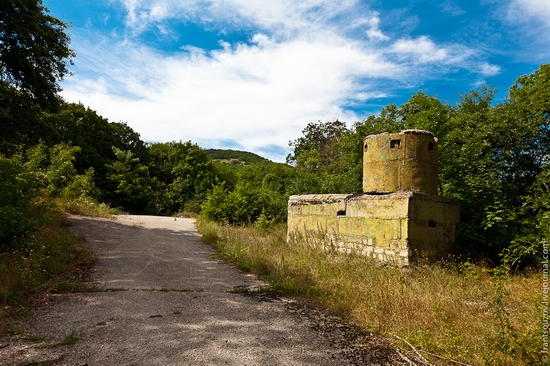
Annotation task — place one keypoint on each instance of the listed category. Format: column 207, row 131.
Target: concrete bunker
column 398, row 217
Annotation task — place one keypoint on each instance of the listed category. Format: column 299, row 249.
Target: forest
column 493, row 156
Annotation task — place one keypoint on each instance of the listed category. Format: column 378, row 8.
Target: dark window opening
column 394, row 144
column 431, row 146
column 431, row 223
column 341, row 213
column 366, row 146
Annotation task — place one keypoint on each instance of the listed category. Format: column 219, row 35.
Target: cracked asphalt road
column 162, row 299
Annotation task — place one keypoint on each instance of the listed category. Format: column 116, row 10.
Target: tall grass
column 448, row 311
column 86, row 207
column 50, row 260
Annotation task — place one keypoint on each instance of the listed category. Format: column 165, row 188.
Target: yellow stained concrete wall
column 432, row 226
column 404, row 161
column 315, row 213
column 394, row 228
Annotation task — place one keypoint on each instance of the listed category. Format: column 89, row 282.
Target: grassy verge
column 51, row 260
column 86, row 208
column 447, row 311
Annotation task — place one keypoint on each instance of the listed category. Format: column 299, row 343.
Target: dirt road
column 162, row 299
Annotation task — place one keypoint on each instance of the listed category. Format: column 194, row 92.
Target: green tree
column 27, row 182
column 273, row 176
column 194, row 175
column 324, row 159
column 53, row 170
column 244, row 205
column 19, row 120
column 261, row 191
column 184, row 172
column 80, row 126
column 130, row 183
column 527, row 164
column 318, row 150
column 34, row 50
column 53, row 166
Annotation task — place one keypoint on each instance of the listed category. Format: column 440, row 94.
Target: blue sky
column 250, row 75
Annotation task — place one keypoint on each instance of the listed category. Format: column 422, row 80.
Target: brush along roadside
column 448, row 312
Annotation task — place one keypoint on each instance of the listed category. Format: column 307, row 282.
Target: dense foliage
column 34, row 50
column 261, row 193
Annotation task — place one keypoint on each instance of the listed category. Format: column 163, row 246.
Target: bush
column 20, row 211
column 244, row 205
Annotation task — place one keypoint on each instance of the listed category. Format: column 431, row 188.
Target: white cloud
column 486, row 69
column 526, row 10
column 364, row 96
column 452, row 8
column 374, row 32
column 281, row 16
column 532, row 19
column 424, row 50
column 258, row 94
column 299, row 65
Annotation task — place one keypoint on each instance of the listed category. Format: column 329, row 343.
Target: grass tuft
column 71, row 338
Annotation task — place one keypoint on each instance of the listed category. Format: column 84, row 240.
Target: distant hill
column 235, row 157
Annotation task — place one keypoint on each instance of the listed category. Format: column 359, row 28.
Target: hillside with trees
column 235, row 157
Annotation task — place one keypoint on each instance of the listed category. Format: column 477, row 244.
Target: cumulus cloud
column 259, row 94
column 299, row 65
column 487, row 69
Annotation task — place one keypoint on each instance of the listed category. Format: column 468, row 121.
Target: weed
column 114, row 289
column 180, row 290
column 239, row 290
column 34, row 338
column 92, row 288
column 41, row 363
column 71, row 338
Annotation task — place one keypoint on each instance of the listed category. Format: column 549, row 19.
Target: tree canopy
column 34, row 50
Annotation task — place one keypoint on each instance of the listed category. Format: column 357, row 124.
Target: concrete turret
column 397, row 162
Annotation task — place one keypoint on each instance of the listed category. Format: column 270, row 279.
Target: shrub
column 244, row 205
column 20, row 211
